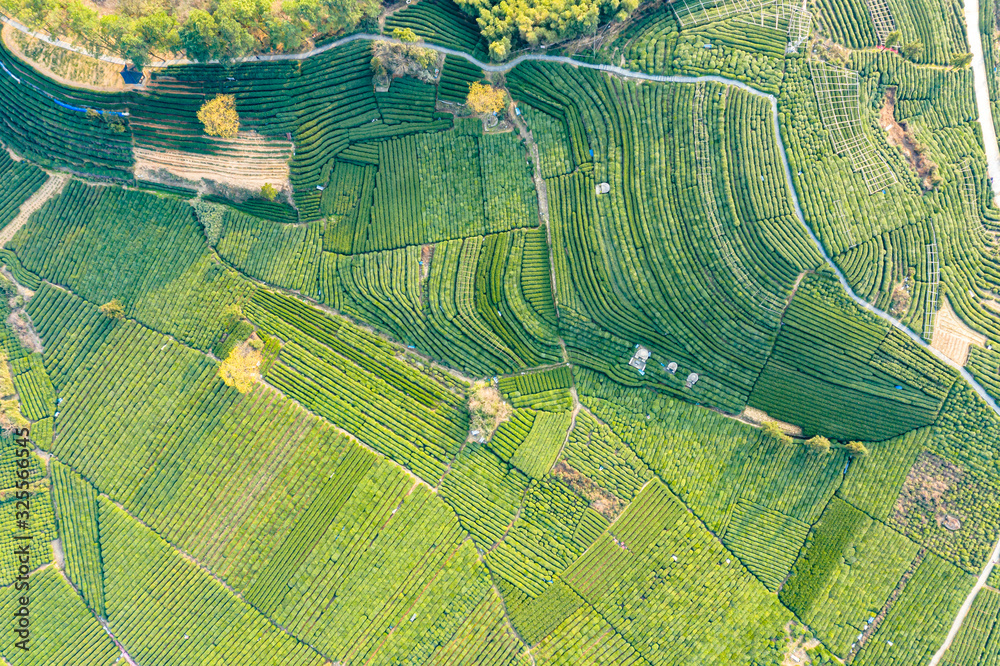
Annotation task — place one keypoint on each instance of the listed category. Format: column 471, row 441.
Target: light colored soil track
column 952, row 337
column 52, row 187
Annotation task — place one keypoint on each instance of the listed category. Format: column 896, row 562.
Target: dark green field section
column 844, row 374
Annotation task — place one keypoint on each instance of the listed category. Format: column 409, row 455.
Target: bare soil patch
column 952, row 337
column 923, row 493
column 600, row 500
column 758, row 416
column 246, row 163
column 900, row 135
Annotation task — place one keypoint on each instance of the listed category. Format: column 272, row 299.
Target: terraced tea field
column 680, row 353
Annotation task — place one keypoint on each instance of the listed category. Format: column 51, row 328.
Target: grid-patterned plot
column 838, row 96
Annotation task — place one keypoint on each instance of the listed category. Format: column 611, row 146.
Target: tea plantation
column 683, row 353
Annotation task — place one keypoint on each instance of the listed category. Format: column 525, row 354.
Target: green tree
column 773, row 430
column 819, row 444
column 857, row 449
column 113, row 310
column 200, row 36
column 234, row 39
column 893, row 38
column 485, row 99
column 960, row 60
column 268, row 192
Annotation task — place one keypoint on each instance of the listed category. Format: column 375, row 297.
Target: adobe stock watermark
column 22, row 539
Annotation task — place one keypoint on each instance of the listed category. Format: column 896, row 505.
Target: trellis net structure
column 787, row 15
column 881, row 19
column 970, row 204
column 838, row 95
column 933, row 280
column 703, row 168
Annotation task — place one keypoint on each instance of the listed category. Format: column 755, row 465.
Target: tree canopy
column 507, row 23
column 219, row 116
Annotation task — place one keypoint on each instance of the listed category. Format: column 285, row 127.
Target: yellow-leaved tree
column 219, row 116
column 484, row 98
column 241, row 369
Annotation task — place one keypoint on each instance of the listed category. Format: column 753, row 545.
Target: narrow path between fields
column 985, row 122
column 975, row 38
column 50, row 188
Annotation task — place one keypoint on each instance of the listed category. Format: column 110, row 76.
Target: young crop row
column 145, row 250
column 847, row 22
column 937, row 25
column 730, row 47
column 873, row 482
column 930, row 600
column 702, row 606
column 468, row 303
column 276, row 211
column 202, row 617
column 20, row 273
column 484, row 638
column 456, row 77
column 511, row 433
column 407, row 100
column 38, row 399
column 766, row 541
column 270, row 585
column 542, row 542
column 76, row 507
column 127, row 377
column 662, row 267
column 403, row 574
column 848, row 568
column 18, row 181
column 485, row 492
column 441, row 22
column 698, row 453
column 41, row 529
column 554, row 150
column 586, row 633
column 537, row 453
column 970, row 644
column 427, row 188
column 846, row 395
column 280, row 254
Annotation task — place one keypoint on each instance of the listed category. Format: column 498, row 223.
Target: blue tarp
column 132, row 77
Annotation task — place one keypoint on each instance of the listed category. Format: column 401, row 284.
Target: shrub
column 857, row 449
column 113, row 310
column 487, row 410
column 241, row 369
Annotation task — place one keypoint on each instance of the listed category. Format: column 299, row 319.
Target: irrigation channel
column 985, row 121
